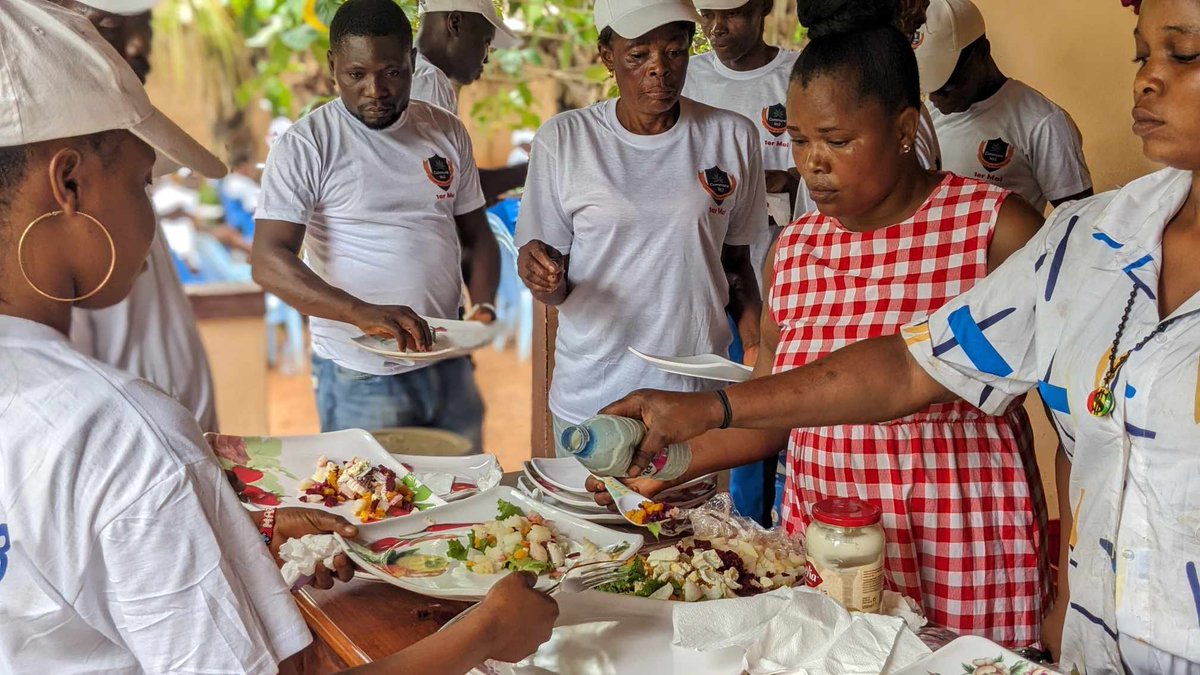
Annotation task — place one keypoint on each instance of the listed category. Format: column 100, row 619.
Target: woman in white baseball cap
column 123, row 547
column 637, row 213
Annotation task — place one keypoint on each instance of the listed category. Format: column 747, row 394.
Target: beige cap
column 950, row 26
column 634, row 18
column 720, row 4
column 505, row 38
column 78, row 85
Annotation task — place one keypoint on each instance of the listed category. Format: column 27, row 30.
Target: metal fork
column 588, row 576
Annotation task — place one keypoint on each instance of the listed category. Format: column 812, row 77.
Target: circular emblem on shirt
column 440, row 171
column 718, row 184
column 995, row 154
column 774, row 119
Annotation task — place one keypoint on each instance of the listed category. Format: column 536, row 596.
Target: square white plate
column 426, row 570
column 455, row 338
column 703, row 366
column 602, row 516
column 962, row 654
column 467, row 470
column 273, row 467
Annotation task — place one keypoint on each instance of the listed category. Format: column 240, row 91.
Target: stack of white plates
column 561, row 483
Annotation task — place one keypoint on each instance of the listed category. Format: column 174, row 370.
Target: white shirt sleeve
column 291, row 181
column 177, row 564
column 1057, row 154
column 981, row 345
column 748, row 218
column 542, row 216
column 470, row 194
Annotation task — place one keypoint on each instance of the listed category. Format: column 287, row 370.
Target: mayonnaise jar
column 845, row 547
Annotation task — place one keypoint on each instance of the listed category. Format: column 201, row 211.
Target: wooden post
column 545, row 327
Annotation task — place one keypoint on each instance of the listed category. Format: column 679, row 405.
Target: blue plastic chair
column 514, row 302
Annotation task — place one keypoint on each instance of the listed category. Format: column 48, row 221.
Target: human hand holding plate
column 293, row 523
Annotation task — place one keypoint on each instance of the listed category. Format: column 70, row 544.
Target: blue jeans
column 441, row 396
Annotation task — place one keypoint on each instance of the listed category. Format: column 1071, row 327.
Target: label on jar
column 858, row 589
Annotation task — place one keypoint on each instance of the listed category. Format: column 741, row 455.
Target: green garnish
column 628, row 576
column 654, row 529
column 529, row 565
column 506, row 510
column 456, row 550
column 649, row 587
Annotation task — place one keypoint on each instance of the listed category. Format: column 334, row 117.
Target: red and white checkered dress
column 962, row 500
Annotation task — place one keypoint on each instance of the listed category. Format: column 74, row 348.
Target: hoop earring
column 112, row 265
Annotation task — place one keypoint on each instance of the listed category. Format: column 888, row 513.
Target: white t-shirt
column 123, row 548
column 179, row 231
column 242, row 188
column 379, row 206
column 431, row 85
column 644, row 219
column 152, row 334
column 1019, row 140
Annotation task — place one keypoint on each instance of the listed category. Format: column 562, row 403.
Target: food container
column 845, row 547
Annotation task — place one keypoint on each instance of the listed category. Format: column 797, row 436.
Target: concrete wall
column 1079, row 53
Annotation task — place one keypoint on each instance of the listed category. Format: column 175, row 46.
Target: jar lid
column 846, row 512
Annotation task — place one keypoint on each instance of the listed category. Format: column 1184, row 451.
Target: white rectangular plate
column 425, row 569
column 970, row 653
column 272, row 467
column 467, row 470
column 703, row 366
column 456, row 338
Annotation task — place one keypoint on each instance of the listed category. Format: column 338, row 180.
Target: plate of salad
column 458, row 551
column 346, row 472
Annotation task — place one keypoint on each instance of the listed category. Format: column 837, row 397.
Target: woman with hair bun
column 891, row 242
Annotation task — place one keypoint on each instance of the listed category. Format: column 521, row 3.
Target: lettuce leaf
column 506, row 510
column 456, row 551
column 530, row 565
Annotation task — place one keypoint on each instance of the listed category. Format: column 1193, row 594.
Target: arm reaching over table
column 867, row 382
column 509, row 625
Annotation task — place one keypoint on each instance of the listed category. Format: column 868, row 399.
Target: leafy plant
column 275, row 51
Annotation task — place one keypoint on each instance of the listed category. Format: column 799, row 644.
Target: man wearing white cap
column 453, row 45
column 153, row 333
column 991, row 127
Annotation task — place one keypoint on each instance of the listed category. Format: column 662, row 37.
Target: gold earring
column 112, row 265
column 906, row 148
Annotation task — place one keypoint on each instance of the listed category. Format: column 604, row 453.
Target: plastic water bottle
column 606, row 445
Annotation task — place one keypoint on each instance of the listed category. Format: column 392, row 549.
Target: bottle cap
column 846, row 512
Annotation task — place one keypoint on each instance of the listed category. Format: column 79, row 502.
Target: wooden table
column 364, row 621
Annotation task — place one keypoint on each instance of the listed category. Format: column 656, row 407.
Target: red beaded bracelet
column 267, row 528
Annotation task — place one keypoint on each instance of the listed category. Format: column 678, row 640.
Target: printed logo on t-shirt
column 719, row 185
column 440, row 170
column 4, row 546
column 995, row 154
column 774, row 118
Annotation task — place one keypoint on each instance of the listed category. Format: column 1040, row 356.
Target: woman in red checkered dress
column 961, row 496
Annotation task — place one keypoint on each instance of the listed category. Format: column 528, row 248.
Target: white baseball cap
column 60, row 79
column 123, row 7
column 720, row 4
column 634, row 18
column 505, row 38
column 950, row 27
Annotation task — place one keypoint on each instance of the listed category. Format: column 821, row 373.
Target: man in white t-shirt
column 383, row 195
column 153, row 333
column 453, row 45
column 991, row 127
column 744, row 74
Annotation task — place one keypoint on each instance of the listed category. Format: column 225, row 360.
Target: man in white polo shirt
column 384, row 196
column 152, row 333
column 991, row 127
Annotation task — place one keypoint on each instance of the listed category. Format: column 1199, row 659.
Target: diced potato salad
column 699, row 569
column 515, row 542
